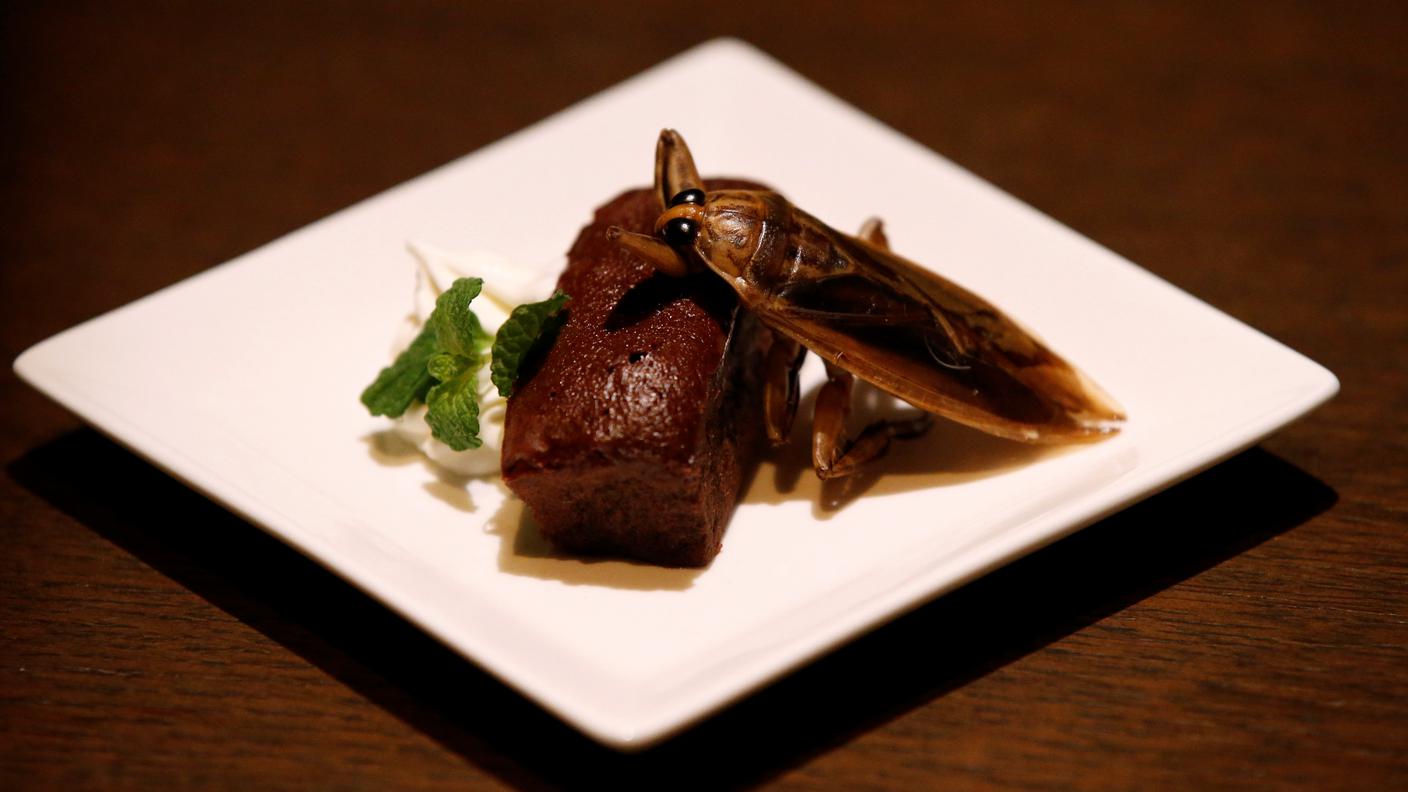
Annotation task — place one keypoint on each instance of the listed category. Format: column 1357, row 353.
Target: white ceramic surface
column 630, row 653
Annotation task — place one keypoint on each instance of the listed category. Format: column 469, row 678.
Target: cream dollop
column 505, row 286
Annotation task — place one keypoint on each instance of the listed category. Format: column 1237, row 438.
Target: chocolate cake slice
column 635, row 432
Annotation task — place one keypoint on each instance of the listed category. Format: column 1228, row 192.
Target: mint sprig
column 457, row 329
column 454, row 403
column 441, row 366
column 460, row 343
column 405, row 381
column 525, row 326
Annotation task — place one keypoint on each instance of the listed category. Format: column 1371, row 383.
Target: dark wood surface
column 1248, row 628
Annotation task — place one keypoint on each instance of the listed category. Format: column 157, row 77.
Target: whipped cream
column 505, row 286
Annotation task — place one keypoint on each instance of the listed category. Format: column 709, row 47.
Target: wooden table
column 1246, row 628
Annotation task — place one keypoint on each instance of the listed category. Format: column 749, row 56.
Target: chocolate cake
column 634, row 433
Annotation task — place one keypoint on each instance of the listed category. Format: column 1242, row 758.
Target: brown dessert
column 635, row 432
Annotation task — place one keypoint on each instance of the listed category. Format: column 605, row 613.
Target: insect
column 867, row 313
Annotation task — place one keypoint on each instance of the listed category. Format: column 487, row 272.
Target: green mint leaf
column 528, row 324
column 405, row 381
column 457, row 329
column 453, row 403
column 445, row 366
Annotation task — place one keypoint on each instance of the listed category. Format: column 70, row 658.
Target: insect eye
column 692, row 196
column 680, row 231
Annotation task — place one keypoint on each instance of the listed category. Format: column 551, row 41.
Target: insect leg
column 833, row 406
column 836, row 456
column 780, row 392
column 873, row 231
column 664, row 257
column 833, row 454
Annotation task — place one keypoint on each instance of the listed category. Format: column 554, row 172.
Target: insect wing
column 937, row 346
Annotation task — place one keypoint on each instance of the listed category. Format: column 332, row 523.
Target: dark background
column 1246, row 628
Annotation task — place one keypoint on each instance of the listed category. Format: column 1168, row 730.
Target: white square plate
column 243, row 382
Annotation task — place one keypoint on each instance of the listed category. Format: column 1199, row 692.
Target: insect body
column 869, row 313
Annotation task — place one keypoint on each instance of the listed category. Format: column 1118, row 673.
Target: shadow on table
column 984, row 625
